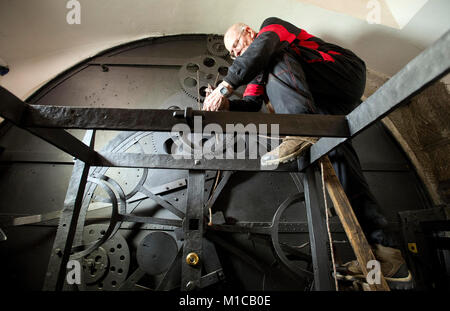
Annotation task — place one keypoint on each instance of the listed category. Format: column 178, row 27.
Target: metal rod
column 162, row 202
column 168, row 161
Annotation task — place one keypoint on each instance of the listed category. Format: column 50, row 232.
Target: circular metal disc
column 156, row 252
column 118, row 260
column 95, row 265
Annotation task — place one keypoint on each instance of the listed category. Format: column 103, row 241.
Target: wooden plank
column 350, row 223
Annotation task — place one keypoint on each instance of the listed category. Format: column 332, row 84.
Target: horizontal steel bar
column 417, row 75
column 125, row 225
column 13, row 220
column 164, row 120
column 167, row 161
column 139, row 61
column 150, row 220
column 65, row 159
column 266, row 227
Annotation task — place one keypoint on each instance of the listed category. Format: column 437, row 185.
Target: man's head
column 238, row 38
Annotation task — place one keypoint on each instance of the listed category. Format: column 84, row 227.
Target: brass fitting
column 192, row 259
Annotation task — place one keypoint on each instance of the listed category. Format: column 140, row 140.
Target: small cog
column 215, row 46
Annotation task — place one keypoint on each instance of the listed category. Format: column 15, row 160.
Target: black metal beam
column 159, row 200
column 165, row 120
column 14, row 110
column 193, row 231
column 150, row 220
column 428, row 67
column 62, row 246
column 265, row 228
column 317, row 229
column 139, row 61
column 168, row 161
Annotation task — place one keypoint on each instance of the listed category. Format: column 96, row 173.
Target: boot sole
column 406, row 283
column 289, row 158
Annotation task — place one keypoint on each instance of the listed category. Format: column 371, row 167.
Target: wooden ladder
column 351, row 225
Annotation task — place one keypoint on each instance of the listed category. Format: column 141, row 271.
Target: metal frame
column 48, row 123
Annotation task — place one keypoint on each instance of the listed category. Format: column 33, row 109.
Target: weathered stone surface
column 422, row 128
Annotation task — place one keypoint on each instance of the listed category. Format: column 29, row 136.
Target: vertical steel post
column 62, row 246
column 193, row 232
column 317, row 230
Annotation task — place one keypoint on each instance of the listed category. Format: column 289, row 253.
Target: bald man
column 297, row 72
column 302, row 74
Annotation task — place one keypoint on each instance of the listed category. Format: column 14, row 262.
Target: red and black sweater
column 274, row 37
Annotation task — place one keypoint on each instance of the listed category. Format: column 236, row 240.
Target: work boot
column 392, row 264
column 288, row 150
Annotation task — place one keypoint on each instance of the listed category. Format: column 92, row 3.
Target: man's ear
column 251, row 32
column 248, row 30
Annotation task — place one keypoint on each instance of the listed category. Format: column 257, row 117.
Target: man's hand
column 214, row 100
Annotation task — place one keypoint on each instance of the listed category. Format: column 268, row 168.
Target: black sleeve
column 274, row 35
column 253, row 96
column 247, row 104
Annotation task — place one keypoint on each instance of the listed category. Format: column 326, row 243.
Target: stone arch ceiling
column 37, row 43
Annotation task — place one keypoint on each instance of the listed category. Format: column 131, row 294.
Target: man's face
column 237, row 42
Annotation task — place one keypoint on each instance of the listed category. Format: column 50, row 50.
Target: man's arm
column 253, row 96
column 274, row 35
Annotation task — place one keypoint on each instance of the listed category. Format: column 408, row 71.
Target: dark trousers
column 296, row 87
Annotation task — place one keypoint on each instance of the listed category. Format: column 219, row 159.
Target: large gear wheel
column 210, row 69
column 164, row 142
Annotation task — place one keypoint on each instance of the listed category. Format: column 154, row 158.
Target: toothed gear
column 161, row 141
column 209, row 69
